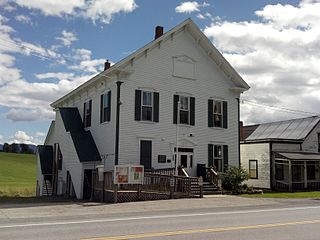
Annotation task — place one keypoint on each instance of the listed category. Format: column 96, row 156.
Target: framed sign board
column 128, row 174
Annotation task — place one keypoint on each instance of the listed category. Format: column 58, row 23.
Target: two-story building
column 177, row 95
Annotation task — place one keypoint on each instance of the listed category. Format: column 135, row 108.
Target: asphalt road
column 218, row 218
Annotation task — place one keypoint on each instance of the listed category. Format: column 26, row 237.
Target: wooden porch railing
column 165, row 171
column 213, row 176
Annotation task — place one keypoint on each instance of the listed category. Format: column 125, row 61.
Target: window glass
column 184, row 110
column 146, row 108
column 253, row 168
column 217, row 154
column 184, row 103
column 87, row 114
column 217, row 114
column 147, row 99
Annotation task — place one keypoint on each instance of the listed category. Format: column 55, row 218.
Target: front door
column 186, row 161
column 146, row 153
column 87, row 184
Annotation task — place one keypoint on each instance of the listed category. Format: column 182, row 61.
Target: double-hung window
column 87, row 108
column 217, row 113
column 146, row 106
column 105, row 107
column 186, row 111
column 218, row 157
column 253, row 169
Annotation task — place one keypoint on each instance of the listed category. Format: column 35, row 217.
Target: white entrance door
column 186, row 161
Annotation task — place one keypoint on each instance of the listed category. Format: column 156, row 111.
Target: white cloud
column 189, row 7
column 277, row 55
column 200, row 16
column 67, row 38
column 56, row 75
column 96, row 10
column 103, row 10
column 89, row 66
column 23, row 19
column 40, row 134
column 28, row 115
column 53, row 7
column 22, row 137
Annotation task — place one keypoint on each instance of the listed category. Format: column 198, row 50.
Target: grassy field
column 315, row 194
column 17, row 175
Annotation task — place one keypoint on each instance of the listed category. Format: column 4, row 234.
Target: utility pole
column 177, row 139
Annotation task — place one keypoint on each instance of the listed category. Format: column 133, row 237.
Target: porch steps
column 209, row 188
column 47, row 188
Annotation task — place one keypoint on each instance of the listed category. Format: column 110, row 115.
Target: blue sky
column 47, row 48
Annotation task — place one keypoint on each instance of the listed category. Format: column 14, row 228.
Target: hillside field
column 17, row 174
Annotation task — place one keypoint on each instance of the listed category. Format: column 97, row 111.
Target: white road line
column 155, row 217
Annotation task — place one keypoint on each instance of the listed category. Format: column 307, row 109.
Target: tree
column 233, row 178
column 24, row 148
column 14, row 148
column 6, row 147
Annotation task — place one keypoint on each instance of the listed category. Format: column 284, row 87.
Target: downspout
column 116, row 159
column 238, row 100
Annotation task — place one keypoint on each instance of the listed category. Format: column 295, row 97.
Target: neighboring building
column 283, row 155
column 182, row 66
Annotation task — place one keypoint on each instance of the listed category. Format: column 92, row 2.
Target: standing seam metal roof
column 294, row 129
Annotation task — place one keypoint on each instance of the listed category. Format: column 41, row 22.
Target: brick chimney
column 158, row 32
column 106, row 65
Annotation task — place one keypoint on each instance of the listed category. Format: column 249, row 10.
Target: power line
column 281, row 109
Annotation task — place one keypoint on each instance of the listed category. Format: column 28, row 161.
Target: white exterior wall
column 153, row 72
column 260, row 152
column 310, row 144
column 102, row 133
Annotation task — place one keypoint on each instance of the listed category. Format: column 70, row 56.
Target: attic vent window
column 184, row 67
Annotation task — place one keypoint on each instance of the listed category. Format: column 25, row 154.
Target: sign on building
column 128, row 174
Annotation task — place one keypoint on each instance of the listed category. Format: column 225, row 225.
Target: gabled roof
column 83, row 141
column 295, row 129
column 202, row 40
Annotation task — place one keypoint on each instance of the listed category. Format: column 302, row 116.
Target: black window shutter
column 225, row 157
column 192, row 110
column 101, row 108
column 137, row 109
column 175, row 108
column 210, row 155
column 210, row 113
column 84, row 114
column 156, row 107
column 109, row 106
column 225, row 114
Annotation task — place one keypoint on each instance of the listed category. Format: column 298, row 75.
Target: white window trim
column 87, row 103
column 142, row 105
column 188, row 97
column 219, row 158
column 221, row 114
column 105, row 93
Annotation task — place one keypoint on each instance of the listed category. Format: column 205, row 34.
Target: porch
column 296, row 171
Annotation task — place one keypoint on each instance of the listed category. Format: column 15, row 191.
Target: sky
column 49, row 47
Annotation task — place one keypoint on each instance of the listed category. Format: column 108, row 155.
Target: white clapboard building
column 128, row 114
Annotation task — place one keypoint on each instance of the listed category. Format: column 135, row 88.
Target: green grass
column 17, row 175
column 285, row 195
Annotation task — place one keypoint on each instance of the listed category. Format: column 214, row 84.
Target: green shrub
column 233, row 178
